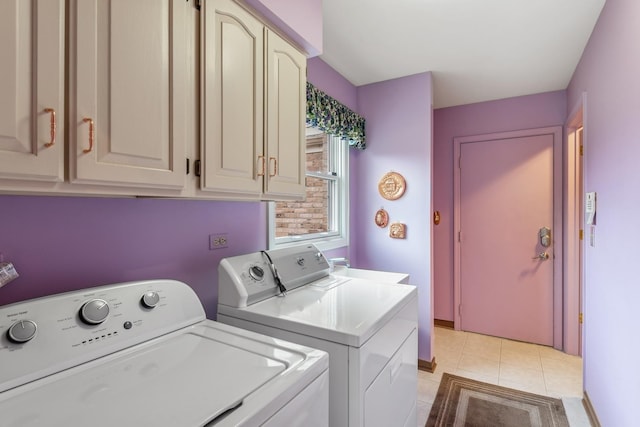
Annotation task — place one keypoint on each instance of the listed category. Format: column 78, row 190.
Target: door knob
column 541, row 256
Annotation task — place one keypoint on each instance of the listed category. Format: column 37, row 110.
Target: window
column 323, row 217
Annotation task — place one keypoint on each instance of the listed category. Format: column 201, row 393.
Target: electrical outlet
column 218, row 241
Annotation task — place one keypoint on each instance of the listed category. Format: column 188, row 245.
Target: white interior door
column 580, row 174
column 505, row 197
column 573, row 217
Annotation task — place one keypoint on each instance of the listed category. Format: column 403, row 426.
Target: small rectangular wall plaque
column 398, row 230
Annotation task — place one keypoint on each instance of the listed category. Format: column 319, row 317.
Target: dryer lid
column 343, row 310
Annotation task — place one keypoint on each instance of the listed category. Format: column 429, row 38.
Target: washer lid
column 343, row 310
column 186, row 379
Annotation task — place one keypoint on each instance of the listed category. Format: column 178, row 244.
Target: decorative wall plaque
column 398, row 230
column 392, row 186
column 382, row 218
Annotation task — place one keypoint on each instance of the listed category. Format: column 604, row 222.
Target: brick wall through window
column 311, row 215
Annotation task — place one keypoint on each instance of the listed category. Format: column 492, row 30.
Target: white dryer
column 143, row 354
column 369, row 329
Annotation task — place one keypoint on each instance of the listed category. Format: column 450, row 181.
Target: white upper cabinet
column 32, row 90
column 232, row 100
column 253, row 87
column 112, row 97
column 128, row 92
column 286, row 73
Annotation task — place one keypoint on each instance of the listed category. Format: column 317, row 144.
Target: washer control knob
column 94, row 312
column 300, row 261
column 318, row 256
column 150, row 299
column 22, row 331
column 256, row 273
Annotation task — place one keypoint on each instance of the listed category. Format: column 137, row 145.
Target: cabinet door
column 31, row 89
column 232, row 96
column 128, row 92
column 285, row 124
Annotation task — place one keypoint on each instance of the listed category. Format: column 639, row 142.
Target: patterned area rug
column 462, row 402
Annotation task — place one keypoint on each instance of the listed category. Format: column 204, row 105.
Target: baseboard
column 423, row 365
column 591, row 412
column 443, row 323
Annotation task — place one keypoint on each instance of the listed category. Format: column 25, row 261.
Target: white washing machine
column 368, row 328
column 143, row 354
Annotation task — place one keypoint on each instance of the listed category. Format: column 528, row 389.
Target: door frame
column 574, row 220
column 558, row 246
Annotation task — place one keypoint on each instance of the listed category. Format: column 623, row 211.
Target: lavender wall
column 66, row 243
column 399, row 134
column 332, row 83
column 524, row 112
column 301, row 20
column 399, row 123
column 608, row 72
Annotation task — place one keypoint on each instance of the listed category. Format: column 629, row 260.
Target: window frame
column 338, row 156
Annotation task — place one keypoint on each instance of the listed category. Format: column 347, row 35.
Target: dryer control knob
column 22, row 331
column 256, row 273
column 150, row 299
column 94, row 312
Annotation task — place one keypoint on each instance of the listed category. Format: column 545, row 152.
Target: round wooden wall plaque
column 392, row 186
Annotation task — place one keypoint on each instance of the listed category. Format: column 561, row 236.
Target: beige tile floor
column 529, row 367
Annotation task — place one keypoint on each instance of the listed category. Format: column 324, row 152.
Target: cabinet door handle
column 275, row 166
column 90, row 121
column 261, row 159
column 52, row 114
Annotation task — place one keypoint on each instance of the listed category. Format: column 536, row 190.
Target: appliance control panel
column 43, row 336
column 247, row 279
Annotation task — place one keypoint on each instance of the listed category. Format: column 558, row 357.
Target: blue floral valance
column 332, row 117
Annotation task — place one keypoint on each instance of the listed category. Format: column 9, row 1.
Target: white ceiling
column 477, row 50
